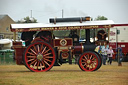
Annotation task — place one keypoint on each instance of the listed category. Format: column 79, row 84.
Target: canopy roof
column 61, row 26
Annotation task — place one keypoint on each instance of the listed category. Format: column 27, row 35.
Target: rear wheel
column 89, row 61
column 39, row 56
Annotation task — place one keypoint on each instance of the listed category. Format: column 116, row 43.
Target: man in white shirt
column 104, row 54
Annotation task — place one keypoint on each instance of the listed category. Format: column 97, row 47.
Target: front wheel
column 39, row 57
column 89, row 61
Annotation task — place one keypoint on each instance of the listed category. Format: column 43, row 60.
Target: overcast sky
column 42, row 10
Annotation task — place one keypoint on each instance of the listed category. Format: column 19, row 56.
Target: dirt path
column 65, row 75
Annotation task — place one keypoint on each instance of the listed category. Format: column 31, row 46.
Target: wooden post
column 118, row 56
column 108, row 33
column 78, row 33
column 119, row 62
column 14, row 36
column 52, row 35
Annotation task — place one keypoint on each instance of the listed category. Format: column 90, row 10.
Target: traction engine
column 45, row 51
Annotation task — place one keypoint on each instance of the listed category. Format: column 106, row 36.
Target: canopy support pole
column 14, row 36
column 108, row 33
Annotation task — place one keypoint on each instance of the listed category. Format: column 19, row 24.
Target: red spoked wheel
column 89, row 61
column 39, row 57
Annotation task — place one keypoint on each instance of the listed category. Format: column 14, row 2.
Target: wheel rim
column 88, row 61
column 100, row 62
column 39, row 56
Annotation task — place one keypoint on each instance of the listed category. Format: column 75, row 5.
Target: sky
column 42, row 10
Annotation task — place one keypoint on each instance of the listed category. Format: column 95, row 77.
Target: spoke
column 91, row 67
column 93, row 58
column 86, row 66
column 46, row 63
column 47, row 60
column 93, row 61
column 38, row 48
column 85, row 57
column 33, row 51
column 90, row 56
column 37, row 64
column 30, row 56
column 35, row 48
column 41, row 47
column 43, row 50
column 34, row 64
column 46, row 51
column 41, row 66
column 94, row 65
column 47, row 54
column 30, row 60
column 84, row 63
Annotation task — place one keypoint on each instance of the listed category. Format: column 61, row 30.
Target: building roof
column 2, row 16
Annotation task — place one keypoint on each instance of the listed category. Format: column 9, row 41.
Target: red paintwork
column 65, row 55
column 119, row 25
column 78, row 49
column 60, row 28
column 57, row 42
column 46, row 61
column 19, row 50
column 37, row 39
column 87, row 60
column 124, row 49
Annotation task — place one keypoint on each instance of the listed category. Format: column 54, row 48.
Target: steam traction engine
column 45, row 51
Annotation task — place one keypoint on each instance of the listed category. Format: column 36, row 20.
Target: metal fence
column 6, row 57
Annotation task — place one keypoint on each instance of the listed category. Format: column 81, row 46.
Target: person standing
column 110, row 55
column 104, row 54
column 119, row 55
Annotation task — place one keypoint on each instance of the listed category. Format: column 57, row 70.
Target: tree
column 101, row 18
column 28, row 20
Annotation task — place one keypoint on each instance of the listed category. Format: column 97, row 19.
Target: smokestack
column 77, row 19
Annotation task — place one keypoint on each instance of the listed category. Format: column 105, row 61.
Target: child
column 110, row 55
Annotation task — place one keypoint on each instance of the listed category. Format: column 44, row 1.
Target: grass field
column 65, row 75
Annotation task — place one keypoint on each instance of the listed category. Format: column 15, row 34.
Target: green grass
column 64, row 75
